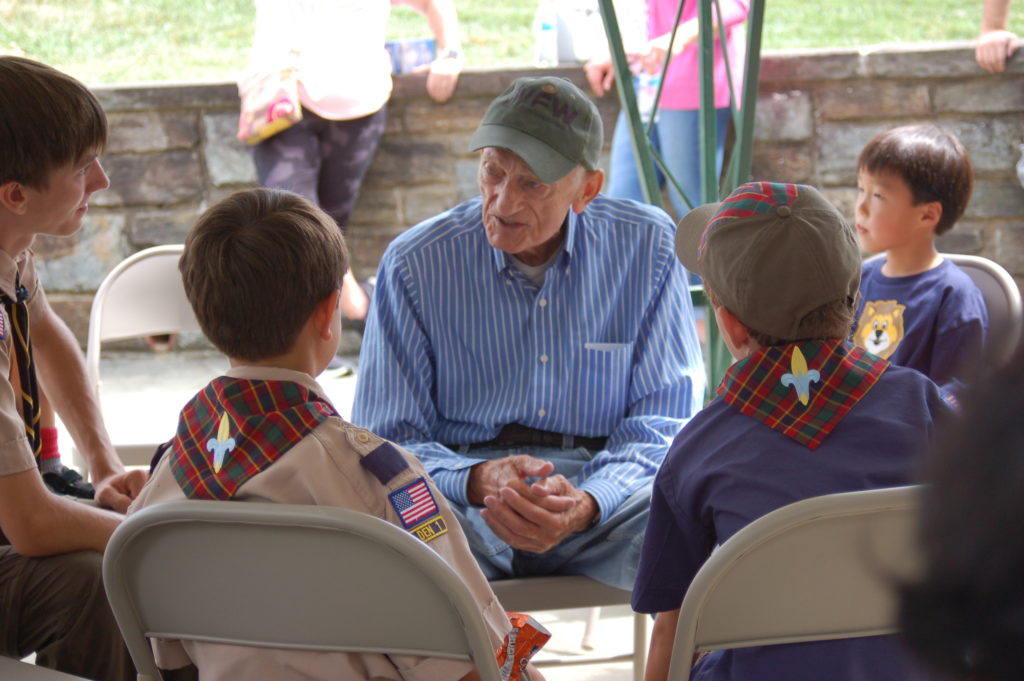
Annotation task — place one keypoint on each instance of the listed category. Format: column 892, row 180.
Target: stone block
column 428, row 117
column 809, row 64
column 377, row 204
column 921, row 60
column 157, row 227
column 466, row 171
column 870, row 99
column 991, row 141
column 996, row 200
column 1009, row 248
column 212, row 95
column 784, row 117
column 837, row 147
column 367, row 245
column 423, row 202
column 410, row 162
column 74, row 310
column 782, row 163
column 79, row 263
column 147, row 131
column 166, row 178
column 995, row 94
column 843, row 198
column 963, row 238
column 228, row 161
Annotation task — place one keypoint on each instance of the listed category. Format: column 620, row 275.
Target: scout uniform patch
column 236, row 428
column 3, row 325
column 803, row 390
column 414, row 501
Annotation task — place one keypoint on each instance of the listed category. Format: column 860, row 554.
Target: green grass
column 113, row 41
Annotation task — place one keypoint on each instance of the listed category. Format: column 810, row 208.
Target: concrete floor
column 142, row 393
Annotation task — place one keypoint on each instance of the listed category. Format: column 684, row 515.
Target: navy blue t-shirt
column 934, row 321
column 725, row 470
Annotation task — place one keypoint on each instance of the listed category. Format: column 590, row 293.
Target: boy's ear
column 13, row 197
column 734, row 332
column 323, row 314
column 931, row 213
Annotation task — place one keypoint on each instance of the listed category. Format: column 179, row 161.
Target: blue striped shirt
column 459, row 342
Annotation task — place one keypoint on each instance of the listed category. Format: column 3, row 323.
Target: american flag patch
column 3, row 325
column 414, row 503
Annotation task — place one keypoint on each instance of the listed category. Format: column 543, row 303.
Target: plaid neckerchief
column 803, row 390
column 236, row 428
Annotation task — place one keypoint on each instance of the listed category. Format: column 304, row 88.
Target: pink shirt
column 682, row 84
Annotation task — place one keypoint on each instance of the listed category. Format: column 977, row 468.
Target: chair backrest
column 279, row 576
column 284, row 576
column 821, row 568
column 1002, row 299
column 142, row 296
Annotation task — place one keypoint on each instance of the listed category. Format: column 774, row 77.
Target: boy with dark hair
column 52, row 131
column 263, row 271
column 802, row 412
column 917, row 309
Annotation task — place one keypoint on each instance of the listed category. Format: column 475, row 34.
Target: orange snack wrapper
column 525, row 639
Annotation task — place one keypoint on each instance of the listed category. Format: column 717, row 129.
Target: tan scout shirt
column 15, row 450
column 324, row 469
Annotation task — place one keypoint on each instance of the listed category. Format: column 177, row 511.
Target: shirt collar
column 9, row 272
column 804, row 389
column 503, row 260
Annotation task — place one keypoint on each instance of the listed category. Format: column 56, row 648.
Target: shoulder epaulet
column 378, row 456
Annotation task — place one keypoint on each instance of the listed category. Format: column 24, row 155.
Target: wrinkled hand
column 994, row 48
column 442, row 77
column 600, row 74
column 532, row 517
column 118, row 490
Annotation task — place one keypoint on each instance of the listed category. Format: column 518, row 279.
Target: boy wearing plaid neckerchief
column 801, row 413
column 262, row 270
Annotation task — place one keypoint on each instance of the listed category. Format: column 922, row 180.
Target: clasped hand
column 530, row 516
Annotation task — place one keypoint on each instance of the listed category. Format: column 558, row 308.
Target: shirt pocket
column 602, row 386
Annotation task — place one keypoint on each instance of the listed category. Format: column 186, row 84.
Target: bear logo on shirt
column 880, row 328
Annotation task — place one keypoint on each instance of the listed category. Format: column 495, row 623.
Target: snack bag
column 525, row 639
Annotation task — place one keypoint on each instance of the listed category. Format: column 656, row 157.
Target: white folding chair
column 1002, row 300
column 532, row 594
column 142, row 296
column 338, row 581
column 818, row 569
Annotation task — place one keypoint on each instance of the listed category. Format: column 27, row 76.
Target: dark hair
column 831, row 320
column 254, row 267
column 47, row 119
column 932, row 162
column 965, row 613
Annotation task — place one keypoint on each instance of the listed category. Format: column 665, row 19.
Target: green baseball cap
column 548, row 122
column 772, row 252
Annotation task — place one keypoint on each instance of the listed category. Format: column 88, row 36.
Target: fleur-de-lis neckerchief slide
column 803, row 390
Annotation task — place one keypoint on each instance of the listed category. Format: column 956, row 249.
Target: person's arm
column 444, row 24
column 396, row 382
column 61, row 370
column 666, row 389
column 734, row 12
column 660, row 653
column 40, row 523
column 995, row 42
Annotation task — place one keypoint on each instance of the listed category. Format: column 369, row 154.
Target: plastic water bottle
column 545, row 32
column 646, row 88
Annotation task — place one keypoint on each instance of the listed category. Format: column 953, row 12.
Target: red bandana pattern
column 236, row 428
column 803, row 390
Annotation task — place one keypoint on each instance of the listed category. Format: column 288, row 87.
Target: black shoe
column 69, row 483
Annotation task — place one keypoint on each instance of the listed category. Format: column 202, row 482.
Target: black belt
column 517, row 435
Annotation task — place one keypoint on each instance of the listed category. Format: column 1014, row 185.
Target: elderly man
column 535, row 347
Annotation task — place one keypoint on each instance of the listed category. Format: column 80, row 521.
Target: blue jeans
column 676, row 136
column 609, row 552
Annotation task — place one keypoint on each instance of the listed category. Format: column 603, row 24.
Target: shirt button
column 544, row 359
column 362, row 437
column 542, row 412
column 543, row 302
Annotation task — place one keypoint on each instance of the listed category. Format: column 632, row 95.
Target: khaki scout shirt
column 324, row 469
column 15, row 450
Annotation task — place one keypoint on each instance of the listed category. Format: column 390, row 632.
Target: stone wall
column 172, row 153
